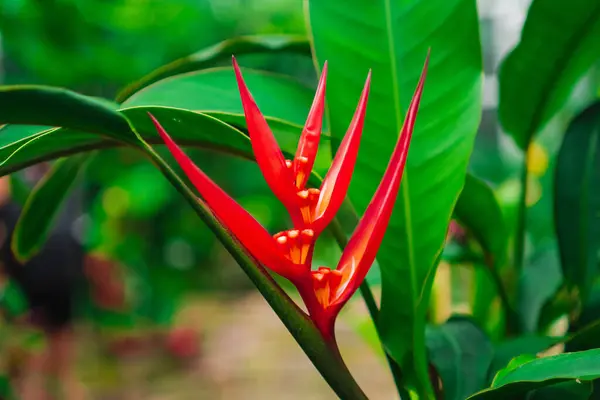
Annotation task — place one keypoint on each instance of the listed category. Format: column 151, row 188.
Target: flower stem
column 338, row 233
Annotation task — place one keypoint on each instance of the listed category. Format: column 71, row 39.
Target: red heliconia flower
column 310, row 208
column 289, row 253
column 333, row 288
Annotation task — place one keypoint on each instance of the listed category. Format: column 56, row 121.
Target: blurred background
column 194, row 326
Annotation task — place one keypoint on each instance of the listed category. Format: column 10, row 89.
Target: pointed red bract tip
column 308, row 144
column 266, row 150
column 244, row 227
column 336, row 182
column 359, row 254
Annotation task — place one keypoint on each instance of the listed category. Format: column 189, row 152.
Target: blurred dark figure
column 51, row 282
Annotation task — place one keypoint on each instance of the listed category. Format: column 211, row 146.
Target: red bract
column 289, row 253
column 332, row 288
column 286, row 254
column 310, row 208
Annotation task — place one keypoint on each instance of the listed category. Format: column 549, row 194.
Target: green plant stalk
column 324, row 357
column 338, row 233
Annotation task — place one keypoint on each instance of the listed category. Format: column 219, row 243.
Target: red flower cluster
column 289, row 253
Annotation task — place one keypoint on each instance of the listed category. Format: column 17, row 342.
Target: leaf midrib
column 404, row 185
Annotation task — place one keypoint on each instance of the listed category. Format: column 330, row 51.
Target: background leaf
column 207, row 57
column 567, row 40
column 461, row 354
column 543, row 372
column 392, row 39
column 571, row 390
column 477, row 209
column 42, row 206
column 529, row 344
column 577, row 199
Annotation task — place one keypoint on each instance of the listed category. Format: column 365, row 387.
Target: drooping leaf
column 577, row 199
column 478, row 210
column 207, row 57
column 45, row 105
column 22, row 146
column 392, row 39
column 42, row 206
column 461, row 354
column 531, row 90
column 542, row 372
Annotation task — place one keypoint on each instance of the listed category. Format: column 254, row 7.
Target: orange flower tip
column 282, row 239
column 303, row 194
column 314, row 191
column 308, row 233
column 288, row 163
column 293, row 234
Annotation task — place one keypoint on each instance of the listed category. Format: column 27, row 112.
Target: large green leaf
column 207, row 57
column 42, row 206
column 461, row 354
column 559, row 43
column 541, row 372
column 577, row 199
column 392, row 38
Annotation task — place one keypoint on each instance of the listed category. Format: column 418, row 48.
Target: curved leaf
column 44, row 105
column 558, row 45
column 261, row 44
column 577, row 199
column 42, row 206
column 542, row 372
column 461, row 354
column 22, row 145
column 392, row 39
column 216, row 90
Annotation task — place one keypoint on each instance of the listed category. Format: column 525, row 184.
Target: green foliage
column 558, row 45
column 392, row 39
column 262, row 44
column 42, row 206
column 577, row 200
column 461, row 354
column 477, row 209
column 519, row 378
column 196, row 99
